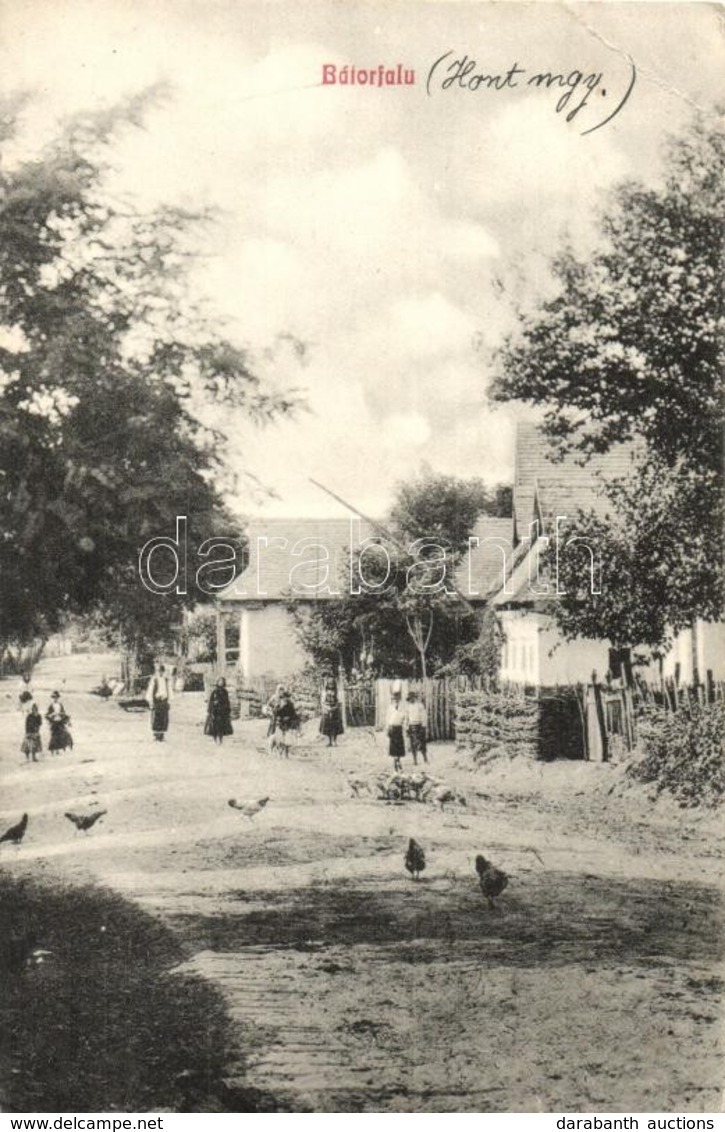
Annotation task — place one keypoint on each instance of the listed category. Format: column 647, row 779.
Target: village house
column 308, row 560
column 534, row 652
column 301, row 559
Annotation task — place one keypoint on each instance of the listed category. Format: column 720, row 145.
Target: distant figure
column 394, row 726
column 104, row 689
column 286, row 717
column 25, row 694
column 32, row 745
column 58, row 719
column 416, row 721
column 158, row 696
column 331, row 720
column 270, row 708
column 285, row 723
column 219, row 713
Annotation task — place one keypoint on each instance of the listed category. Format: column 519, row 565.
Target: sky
column 391, row 230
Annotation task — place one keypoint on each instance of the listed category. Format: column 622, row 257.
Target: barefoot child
column 32, row 745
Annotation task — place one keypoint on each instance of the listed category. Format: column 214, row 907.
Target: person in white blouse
column 158, row 696
column 416, row 723
column 394, row 725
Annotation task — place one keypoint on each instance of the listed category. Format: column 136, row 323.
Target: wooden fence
column 673, row 696
column 595, row 721
column 439, row 696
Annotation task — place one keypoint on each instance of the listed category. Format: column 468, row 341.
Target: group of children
column 410, row 720
column 58, row 722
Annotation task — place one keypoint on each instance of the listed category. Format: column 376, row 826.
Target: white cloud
column 408, row 430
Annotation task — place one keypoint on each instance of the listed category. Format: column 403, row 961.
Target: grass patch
column 102, row 1023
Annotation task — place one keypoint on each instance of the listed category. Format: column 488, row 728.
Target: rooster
column 85, row 821
column 249, row 809
column 414, row 859
column 492, row 880
column 16, row 833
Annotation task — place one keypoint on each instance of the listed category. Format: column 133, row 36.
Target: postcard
column 361, row 640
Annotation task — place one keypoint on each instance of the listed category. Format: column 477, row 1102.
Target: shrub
column 683, row 753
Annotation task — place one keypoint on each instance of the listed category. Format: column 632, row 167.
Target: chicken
column 85, row 821
column 492, row 880
column 414, row 859
column 16, row 833
column 249, row 809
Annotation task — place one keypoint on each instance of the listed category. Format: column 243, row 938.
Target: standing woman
column 331, row 720
column 219, row 713
column 58, row 718
column 394, row 727
column 158, row 695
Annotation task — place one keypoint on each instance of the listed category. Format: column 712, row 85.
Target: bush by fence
column 683, row 753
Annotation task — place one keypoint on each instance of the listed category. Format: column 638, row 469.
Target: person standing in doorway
column 158, row 696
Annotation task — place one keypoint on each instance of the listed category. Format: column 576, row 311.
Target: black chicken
column 414, row 859
column 492, row 880
column 85, row 821
column 16, row 833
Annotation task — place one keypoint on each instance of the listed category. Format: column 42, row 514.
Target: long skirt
column 60, row 736
column 396, row 749
column 31, row 745
column 160, row 717
column 331, row 722
column 218, row 724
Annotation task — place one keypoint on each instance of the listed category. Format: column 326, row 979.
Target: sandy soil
column 595, row 985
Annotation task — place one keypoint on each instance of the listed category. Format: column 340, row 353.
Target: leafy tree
column 445, row 508
column 407, row 617
column 631, row 348
column 106, row 363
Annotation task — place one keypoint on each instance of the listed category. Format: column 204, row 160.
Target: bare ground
column 595, row 985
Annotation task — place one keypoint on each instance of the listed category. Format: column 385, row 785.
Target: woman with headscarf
column 331, row 718
column 158, row 695
column 219, row 713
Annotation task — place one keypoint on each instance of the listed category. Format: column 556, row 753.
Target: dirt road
column 595, row 985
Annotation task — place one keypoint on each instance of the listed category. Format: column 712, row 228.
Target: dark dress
column 331, row 721
column 32, row 745
column 60, row 736
column 285, row 718
column 219, row 714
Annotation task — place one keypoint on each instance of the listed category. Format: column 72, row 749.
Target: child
column 394, row 725
column 286, row 722
column 416, row 720
column 31, row 745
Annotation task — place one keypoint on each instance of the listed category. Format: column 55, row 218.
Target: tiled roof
column 482, row 569
column 301, row 557
column 520, row 588
column 545, row 486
